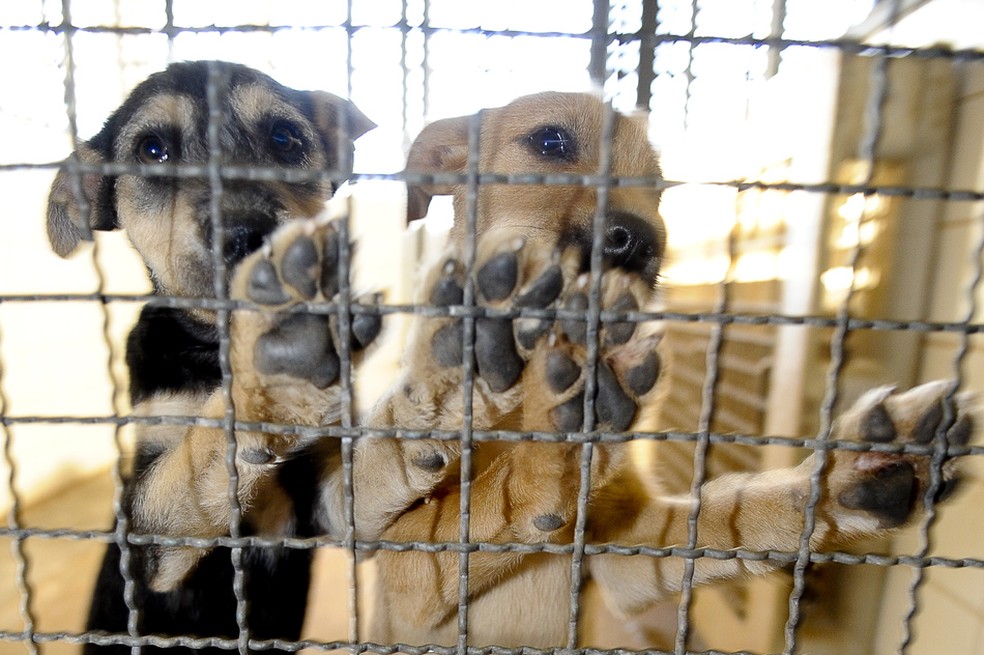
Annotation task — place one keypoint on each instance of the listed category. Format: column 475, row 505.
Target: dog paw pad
column 299, row 346
column 889, row 493
column 614, row 408
column 263, row 285
column 548, row 522
column 497, row 277
column 544, row 290
column 365, row 329
column 617, row 333
column 431, row 463
column 257, row 456
column 495, row 355
column 562, row 371
column 641, row 379
column 569, row 415
column 446, row 344
column 329, row 264
column 299, row 267
column 877, row 425
column 926, row 427
column 576, row 329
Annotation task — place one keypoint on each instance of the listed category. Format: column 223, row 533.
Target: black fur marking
column 617, row 333
column 569, row 416
column 497, row 277
column 446, row 344
column 576, row 328
column 889, row 494
column 562, row 371
column 495, row 355
column 641, row 379
column 926, row 428
column 544, row 290
column 548, row 522
column 877, row 425
column 276, row 580
column 613, row 407
column 299, row 346
column 168, row 351
column 298, row 266
column 365, row 329
column 264, row 286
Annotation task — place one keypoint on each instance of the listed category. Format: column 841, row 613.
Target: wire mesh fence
column 822, row 195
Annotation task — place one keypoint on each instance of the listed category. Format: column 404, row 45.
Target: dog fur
column 530, row 375
column 532, row 254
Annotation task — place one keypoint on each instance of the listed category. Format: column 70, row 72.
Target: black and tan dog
column 178, row 486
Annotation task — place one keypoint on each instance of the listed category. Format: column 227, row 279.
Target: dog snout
column 245, row 235
column 633, row 244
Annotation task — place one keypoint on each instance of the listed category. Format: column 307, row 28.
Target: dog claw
column 299, row 266
column 299, row 346
column 264, row 286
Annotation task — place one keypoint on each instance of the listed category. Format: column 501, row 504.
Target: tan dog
column 532, row 252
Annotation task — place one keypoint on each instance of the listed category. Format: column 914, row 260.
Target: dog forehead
column 162, row 110
column 252, row 103
column 578, row 112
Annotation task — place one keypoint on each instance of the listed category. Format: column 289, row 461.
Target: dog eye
column 552, row 142
column 152, row 150
column 284, row 138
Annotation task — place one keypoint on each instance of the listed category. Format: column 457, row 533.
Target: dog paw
column 627, row 366
column 888, row 488
column 288, row 353
column 508, row 273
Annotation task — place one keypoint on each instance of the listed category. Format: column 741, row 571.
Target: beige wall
column 951, row 601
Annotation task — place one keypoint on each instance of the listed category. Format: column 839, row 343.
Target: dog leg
column 526, row 494
column 864, row 494
column 285, row 369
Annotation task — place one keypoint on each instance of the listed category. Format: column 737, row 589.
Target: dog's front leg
column 285, row 372
column 863, row 494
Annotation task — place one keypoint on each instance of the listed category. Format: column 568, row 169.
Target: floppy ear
column 338, row 120
column 442, row 147
column 74, row 212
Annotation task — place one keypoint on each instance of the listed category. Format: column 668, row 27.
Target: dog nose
column 631, row 243
column 244, row 236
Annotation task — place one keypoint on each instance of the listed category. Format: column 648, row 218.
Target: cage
column 822, row 185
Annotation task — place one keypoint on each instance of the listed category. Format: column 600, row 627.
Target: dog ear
column 441, row 147
column 338, row 120
column 74, row 212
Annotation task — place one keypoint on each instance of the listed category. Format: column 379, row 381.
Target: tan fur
column 517, row 599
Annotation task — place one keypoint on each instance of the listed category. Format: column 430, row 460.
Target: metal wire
column 217, row 174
